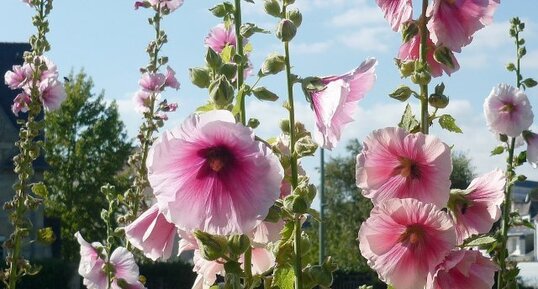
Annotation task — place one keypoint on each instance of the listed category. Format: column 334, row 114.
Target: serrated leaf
column 408, row 121
column 449, row 123
column 498, row 150
column 284, row 278
column 479, row 240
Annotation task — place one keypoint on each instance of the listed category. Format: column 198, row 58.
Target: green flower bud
column 221, row 92
column 503, row 138
column 295, row 16
column 438, row 100
column 421, row 77
column 402, row 93
column 272, row 8
column 248, row 29
column 406, row 68
column 285, row 126
column 444, row 56
column 213, row 59
column 238, row 244
column 229, row 70
column 211, row 247
column 273, row 64
column 253, row 123
column 305, row 146
column 510, row 67
column 286, row 30
column 263, row 93
column 409, row 30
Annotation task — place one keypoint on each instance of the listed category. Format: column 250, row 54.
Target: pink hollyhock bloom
column 396, row 12
column 404, row 239
column 20, row 103
column 141, row 101
column 476, row 209
column 207, row 271
column 152, row 234
column 532, row 147
column 262, row 260
column 453, row 22
column 411, row 50
column 125, row 269
column 51, row 71
column 220, row 37
column 335, row 105
column 170, row 79
column 91, row 264
column 171, row 5
column 396, row 164
column 187, row 243
column 267, row 232
column 52, row 94
column 152, row 82
column 463, row 269
column 172, row 107
column 508, row 110
column 211, row 174
column 18, row 77
column 283, row 144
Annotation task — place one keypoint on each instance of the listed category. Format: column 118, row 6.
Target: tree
column 86, row 148
column 462, row 171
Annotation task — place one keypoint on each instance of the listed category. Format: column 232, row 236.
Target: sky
column 107, row 39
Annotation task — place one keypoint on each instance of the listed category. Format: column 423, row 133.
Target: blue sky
column 108, row 38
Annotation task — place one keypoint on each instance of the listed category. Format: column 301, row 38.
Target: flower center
column 413, row 234
column 507, row 107
column 217, row 158
column 408, row 168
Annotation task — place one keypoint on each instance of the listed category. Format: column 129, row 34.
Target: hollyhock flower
column 283, row 145
column 404, row 239
column 152, row 82
column 18, row 77
column 262, row 260
column 396, row 12
column 170, row 79
column 211, row 174
column 20, row 103
column 476, row 209
column 152, row 234
column 139, row 4
column 91, row 263
column 453, row 22
column 508, row 110
column 51, row 72
column 187, row 243
column 532, row 147
column 125, row 269
column 220, row 37
column 171, row 5
column 267, row 232
column 410, row 50
column 463, row 269
column 207, row 271
column 141, row 101
column 52, row 94
column 335, row 105
column 396, row 164
column 162, row 115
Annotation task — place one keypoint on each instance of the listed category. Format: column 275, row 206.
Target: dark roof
column 12, row 54
column 521, row 191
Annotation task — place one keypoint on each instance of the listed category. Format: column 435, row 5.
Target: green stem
column 248, row 268
column 518, row 61
column 506, row 214
column 424, row 113
column 241, row 54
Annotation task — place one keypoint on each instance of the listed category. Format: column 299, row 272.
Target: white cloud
column 311, row 48
column 378, row 38
column 530, row 61
column 358, row 16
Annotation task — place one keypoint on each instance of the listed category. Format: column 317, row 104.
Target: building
column 11, row 54
column 523, row 241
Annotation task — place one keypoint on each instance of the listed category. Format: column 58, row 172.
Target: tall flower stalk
column 37, row 78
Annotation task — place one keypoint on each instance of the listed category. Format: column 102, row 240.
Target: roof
column 521, row 191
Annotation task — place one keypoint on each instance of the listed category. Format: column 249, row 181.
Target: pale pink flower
column 207, row 271
column 508, row 110
column 171, row 5
column 463, row 269
column 267, row 232
column 50, row 72
column 20, row 103
column 410, row 50
column 18, row 77
column 91, row 264
column 396, row 12
column 52, row 94
column 152, row 82
column 211, row 174
column 171, row 107
column 476, row 209
column 262, row 260
column 335, row 105
column 162, row 115
column 397, row 164
column 453, row 22
column 404, row 239
column 170, row 79
column 125, row 269
column 141, row 101
column 187, row 243
column 152, row 234
column 532, row 147
column 220, row 37
column 283, row 144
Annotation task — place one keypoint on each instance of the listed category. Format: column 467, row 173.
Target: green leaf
column 498, row 150
column 479, row 240
column 46, row 236
column 227, row 53
column 206, row 107
column 449, row 123
column 315, row 214
column 408, row 121
column 529, row 82
column 40, row 190
column 284, row 278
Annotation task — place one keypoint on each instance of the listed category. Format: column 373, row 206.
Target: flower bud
column 285, row 126
column 211, row 247
column 222, row 10
column 305, row 146
column 409, row 30
column 296, row 204
column 444, row 56
column 229, row 70
column 422, row 77
column 248, row 29
column 295, row 16
column 272, row 8
column 286, row 30
column 406, row 68
column 238, row 244
column 510, row 67
column 273, row 64
column 199, row 77
column 402, row 93
column 221, row 92
column 438, row 99
column 253, row 123
column 263, row 93
column 213, row 59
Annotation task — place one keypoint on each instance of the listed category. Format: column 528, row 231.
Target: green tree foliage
column 86, row 147
column 346, row 209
